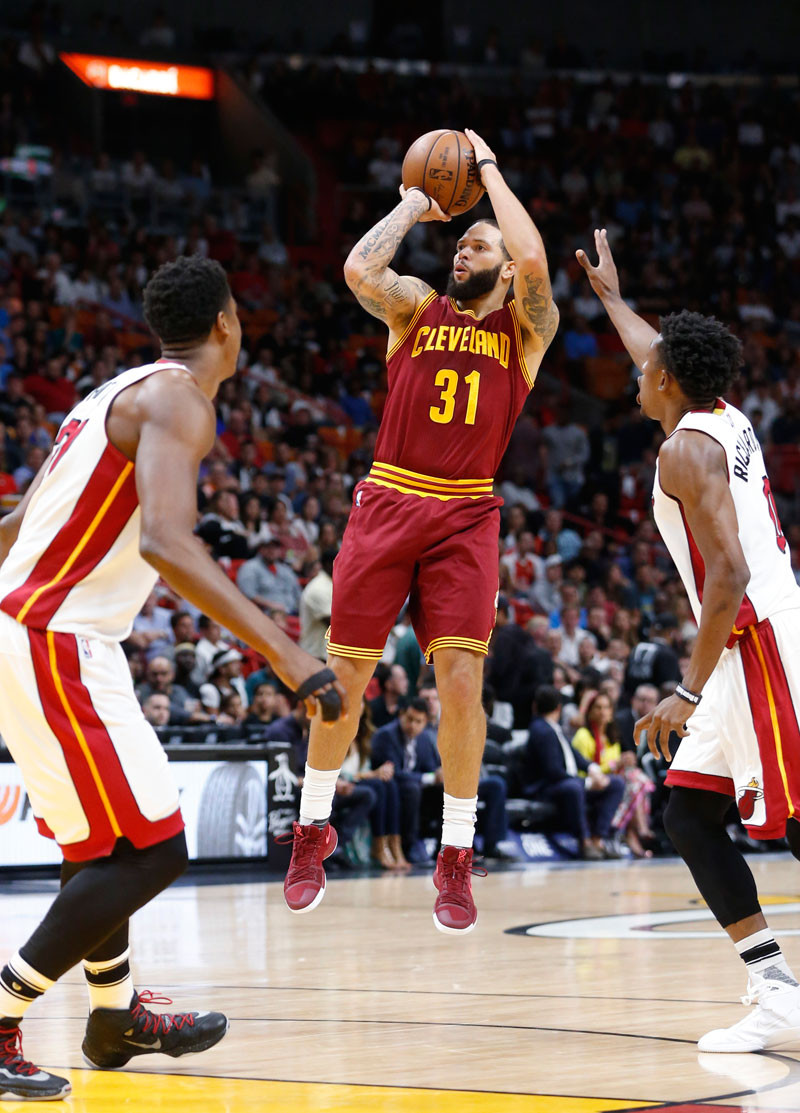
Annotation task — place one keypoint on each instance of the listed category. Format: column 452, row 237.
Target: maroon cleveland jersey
column 456, row 388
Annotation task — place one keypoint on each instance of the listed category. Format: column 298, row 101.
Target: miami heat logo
column 747, row 799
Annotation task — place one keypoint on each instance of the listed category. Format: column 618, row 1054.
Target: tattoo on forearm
column 538, row 307
column 377, row 288
column 384, row 239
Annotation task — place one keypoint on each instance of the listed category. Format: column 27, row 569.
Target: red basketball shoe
column 304, row 886
column 454, row 911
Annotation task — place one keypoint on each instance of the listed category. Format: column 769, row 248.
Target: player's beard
column 479, row 283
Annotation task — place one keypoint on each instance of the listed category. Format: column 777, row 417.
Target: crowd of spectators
column 699, row 187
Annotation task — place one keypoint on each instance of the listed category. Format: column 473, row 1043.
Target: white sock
column 316, row 797
column 110, row 983
column 763, row 957
column 459, row 816
column 20, row 985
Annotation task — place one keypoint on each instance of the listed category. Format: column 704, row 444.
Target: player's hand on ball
column 482, row 148
column 433, row 213
column 603, row 277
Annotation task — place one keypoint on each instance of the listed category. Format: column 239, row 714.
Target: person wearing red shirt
column 49, row 387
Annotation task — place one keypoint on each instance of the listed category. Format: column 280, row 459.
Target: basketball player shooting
column 113, row 507
column 424, row 522
column 735, row 707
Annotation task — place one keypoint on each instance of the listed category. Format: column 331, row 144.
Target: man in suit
column 410, row 745
column 644, row 700
column 550, row 771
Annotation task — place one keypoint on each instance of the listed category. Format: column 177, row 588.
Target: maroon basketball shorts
column 440, row 553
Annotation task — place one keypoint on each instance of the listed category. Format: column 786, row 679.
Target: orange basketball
column 442, row 163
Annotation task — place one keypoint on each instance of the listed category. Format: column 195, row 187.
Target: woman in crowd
column 387, row 849
column 307, row 522
column 598, row 741
column 252, row 517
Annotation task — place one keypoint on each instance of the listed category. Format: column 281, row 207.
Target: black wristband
column 690, row 697
column 483, row 162
column 329, row 701
column 424, row 194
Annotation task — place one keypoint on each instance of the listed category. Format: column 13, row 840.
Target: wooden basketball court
column 582, row 989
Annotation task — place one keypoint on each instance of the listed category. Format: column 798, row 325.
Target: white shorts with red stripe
column 744, row 738
column 92, row 765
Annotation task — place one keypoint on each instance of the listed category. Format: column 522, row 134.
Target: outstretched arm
column 693, row 470
column 391, row 297
column 177, row 430
column 634, row 331
column 533, row 295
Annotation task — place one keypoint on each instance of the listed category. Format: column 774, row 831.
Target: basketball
column 442, row 163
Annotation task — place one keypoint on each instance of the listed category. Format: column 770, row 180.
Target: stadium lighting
column 138, row 76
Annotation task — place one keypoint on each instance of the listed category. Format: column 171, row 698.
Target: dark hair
column 366, row 729
column 416, row 704
column 381, row 674
column 326, row 559
column 547, row 699
column 611, row 728
column 183, row 298
column 175, row 618
column 701, row 353
column 493, row 224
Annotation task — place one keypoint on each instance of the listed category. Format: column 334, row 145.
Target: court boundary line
column 429, row 993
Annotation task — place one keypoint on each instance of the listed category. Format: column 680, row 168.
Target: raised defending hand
column 603, row 277
column 433, row 213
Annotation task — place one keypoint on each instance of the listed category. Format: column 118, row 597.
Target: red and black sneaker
column 21, row 1080
column 304, row 886
column 454, row 911
column 113, row 1036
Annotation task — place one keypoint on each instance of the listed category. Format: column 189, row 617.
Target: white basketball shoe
column 773, row 1023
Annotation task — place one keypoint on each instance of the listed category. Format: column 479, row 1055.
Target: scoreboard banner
column 134, row 75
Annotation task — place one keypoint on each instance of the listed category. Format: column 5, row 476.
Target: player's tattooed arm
column 380, row 290
column 537, row 307
column 395, row 300
column 533, row 295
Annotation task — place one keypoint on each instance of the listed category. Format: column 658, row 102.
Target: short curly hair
column 701, row 353
column 183, row 298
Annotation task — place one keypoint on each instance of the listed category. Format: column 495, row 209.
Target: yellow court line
column 87, row 753
column 103, row 1092
column 773, row 714
column 84, row 541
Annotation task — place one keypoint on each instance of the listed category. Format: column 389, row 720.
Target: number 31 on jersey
column 448, row 380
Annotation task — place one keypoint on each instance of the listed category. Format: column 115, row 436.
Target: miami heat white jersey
column 75, row 566
column 772, row 587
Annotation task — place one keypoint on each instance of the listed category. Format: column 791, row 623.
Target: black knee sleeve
column 695, row 822
column 96, row 901
column 793, row 836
